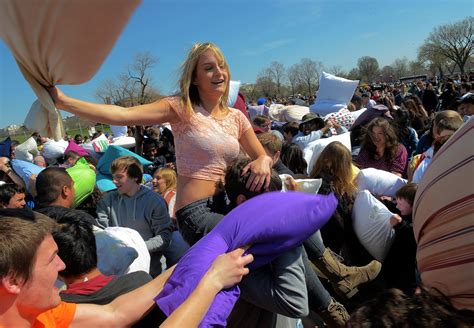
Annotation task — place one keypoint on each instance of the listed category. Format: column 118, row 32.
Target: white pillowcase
column 334, row 93
column 379, row 182
column 371, row 222
column 54, row 149
column 309, row 186
column 234, row 88
column 26, row 150
column 314, row 149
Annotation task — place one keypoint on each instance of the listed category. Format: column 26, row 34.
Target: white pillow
column 294, row 113
column 118, row 131
column 26, row 150
column 54, row 149
column 371, row 222
column 309, row 186
column 379, row 182
column 125, row 142
column 333, row 94
column 234, row 88
column 314, row 149
column 325, row 107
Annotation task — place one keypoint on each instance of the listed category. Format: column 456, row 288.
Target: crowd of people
column 103, row 259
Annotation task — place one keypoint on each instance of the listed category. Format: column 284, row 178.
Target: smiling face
column 39, row 294
column 378, row 137
column 211, row 76
column 17, row 201
column 125, row 184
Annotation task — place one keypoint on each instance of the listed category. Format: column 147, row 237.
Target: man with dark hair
column 272, row 146
column 12, row 196
column 85, row 282
column 54, row 187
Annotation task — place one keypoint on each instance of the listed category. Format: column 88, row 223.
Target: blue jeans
column 314, row 246
column 195, row 220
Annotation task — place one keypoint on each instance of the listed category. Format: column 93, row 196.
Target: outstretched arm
column 226, row 271
column 157, row 112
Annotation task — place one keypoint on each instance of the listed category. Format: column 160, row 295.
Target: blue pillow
column 25, row 169
column 114, row 152
column 272, row 223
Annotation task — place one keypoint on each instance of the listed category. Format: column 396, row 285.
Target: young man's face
column 17, row 201
column 39, row 294
column 403, row 206
column 125, row 184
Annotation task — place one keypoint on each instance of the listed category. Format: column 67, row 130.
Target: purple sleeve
column 400, row 161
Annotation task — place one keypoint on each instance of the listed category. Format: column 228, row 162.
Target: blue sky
column 252, row 34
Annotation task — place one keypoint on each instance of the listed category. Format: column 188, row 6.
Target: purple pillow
column 272, row 223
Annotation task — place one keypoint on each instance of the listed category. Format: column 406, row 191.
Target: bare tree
column 453, row 41
column 400, row 67
column 265, row 83
column 130, row 88
column 416, row 67
column 368, row 68
column 294, row 77
column 338, row 71
column 309, row 72
column 387, row 73
column 277, row 73
column 354, row 74
column 249, row 90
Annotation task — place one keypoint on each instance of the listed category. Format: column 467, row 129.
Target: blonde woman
column 164, row 183
column 208, row 135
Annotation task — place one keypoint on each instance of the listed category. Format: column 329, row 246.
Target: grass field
column 72, row 132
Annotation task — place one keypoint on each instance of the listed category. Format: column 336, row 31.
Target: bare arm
column 125, row 309
column 261, row 167
column 226, row 271
column 154, row 113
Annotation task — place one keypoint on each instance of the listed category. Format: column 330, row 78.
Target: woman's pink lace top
column 205, row 145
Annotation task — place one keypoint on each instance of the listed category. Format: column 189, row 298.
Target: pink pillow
column 76, row 148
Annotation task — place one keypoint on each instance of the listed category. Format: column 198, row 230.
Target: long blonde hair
column 336, row 161
column 189, row 92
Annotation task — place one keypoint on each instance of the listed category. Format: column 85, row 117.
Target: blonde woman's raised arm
column 149, row 114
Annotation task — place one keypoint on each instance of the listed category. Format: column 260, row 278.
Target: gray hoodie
column 145, row 212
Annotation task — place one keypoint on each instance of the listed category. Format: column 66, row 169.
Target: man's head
column 127, row 173
column 70, row 158
column 40, row 161
column 54, row 186
column 12, row 196
column 290, row 130
column 235, row 182
column 76, row 244
column 446, row 122
column 29, row 263
column 420, row 84
column 466, row 105
column 149, row 149
column 311, row 122
column 465, row 88
column 78, row 139
column 365, row 98
column 272, row 145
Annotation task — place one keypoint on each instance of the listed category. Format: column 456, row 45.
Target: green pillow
column 84, row 180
